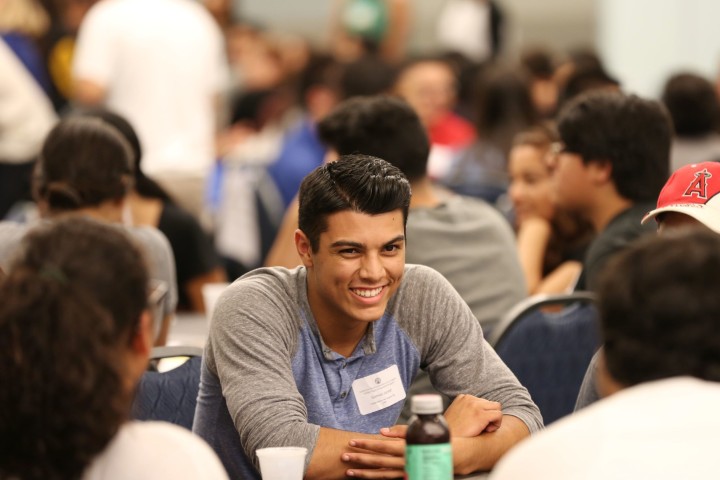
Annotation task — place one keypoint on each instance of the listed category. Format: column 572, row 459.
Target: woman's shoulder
column 145, row 450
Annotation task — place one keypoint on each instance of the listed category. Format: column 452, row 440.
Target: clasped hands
column 467, row 416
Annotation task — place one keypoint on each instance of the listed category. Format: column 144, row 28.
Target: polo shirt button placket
column 343, row 395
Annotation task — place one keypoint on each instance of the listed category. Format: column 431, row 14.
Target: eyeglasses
column 551, row 158
column 158, row 291
column 556, row 148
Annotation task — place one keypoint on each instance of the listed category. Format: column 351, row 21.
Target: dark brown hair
column 70, row 304
column 83, row 163
column 360, row 183
column 659, row 308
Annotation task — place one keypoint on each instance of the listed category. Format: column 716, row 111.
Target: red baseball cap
column 692, row 190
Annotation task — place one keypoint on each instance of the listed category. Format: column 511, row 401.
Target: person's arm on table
column 472, row 454
column 335, row 457
column 261, row 395
column 480, row 436
column 460, row 360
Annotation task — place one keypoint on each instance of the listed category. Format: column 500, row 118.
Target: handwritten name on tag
column 379, row 390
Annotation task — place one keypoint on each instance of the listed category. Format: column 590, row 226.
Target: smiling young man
column 321, row 356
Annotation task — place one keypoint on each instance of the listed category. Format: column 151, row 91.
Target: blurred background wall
column 641, row 41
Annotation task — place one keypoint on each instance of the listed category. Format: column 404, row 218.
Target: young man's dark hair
column 630, row 133
column 383, row 126
column 692, row 103
column 538, row 62
column 368, row 75
column 361, row 183
column 321, row 71
column 659, row 306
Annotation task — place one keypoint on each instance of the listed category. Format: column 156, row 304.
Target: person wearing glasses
column 551, row 242
column 688, row 199
column 76, row 332
column 612, row 162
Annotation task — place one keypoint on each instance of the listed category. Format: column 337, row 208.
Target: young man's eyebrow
column 350, row 243
column 399, row 238
column 346, row 243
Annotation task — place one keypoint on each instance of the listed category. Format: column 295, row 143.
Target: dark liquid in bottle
column 428, row 455
column 427, row 430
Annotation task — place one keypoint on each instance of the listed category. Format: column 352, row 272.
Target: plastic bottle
column 429, row 454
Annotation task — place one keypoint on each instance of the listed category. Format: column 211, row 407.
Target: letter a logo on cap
column 698, row 186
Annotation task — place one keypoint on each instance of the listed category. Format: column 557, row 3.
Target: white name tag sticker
column 379, row 390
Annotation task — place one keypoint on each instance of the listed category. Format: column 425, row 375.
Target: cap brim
column 710, row 217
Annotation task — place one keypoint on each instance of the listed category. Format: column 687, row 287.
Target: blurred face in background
column 531, row 187
column 429, row 87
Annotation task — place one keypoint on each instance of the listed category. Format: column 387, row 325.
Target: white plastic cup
column 211, row 292
column 282, row 463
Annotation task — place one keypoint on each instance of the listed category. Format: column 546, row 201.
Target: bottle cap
column 426, row 404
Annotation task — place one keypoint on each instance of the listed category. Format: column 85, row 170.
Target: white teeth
column 368, row 293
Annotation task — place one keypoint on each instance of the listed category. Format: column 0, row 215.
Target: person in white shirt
column 659, row 371
column 162, row 65
column 26, row 116
column 76, row 330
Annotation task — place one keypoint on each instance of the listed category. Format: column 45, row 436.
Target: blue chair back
column 170, row 396
column 547, row 342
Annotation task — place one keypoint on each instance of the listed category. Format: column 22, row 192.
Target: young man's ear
column 304, row 249
column 601, row 171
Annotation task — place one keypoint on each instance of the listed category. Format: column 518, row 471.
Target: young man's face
column 357, row 267
column 571, row 181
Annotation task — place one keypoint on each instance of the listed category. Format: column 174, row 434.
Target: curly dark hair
column 71, row 302
column 659, row 308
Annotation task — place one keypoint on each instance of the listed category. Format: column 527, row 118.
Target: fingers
column 395, row 448
column 396, row 431
column 469, row 416
column 386, row 462
column 494, row 421
column 376, row 473
column 372, row 460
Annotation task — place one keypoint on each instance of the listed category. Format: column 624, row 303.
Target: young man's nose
column 372, row 267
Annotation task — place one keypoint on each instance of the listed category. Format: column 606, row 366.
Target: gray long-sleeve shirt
column 268, row 378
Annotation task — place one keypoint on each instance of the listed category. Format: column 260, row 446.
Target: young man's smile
column 357, row 267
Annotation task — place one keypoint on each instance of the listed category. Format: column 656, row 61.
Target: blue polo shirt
column 269, row 379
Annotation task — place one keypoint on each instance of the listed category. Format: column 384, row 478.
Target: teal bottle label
column 429, row 462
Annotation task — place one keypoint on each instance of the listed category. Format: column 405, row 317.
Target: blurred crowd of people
column 224, row 115
column 192, row 128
